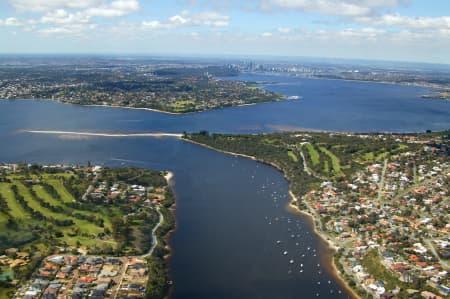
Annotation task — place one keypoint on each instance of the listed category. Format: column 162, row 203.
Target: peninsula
column 151, row 85
column 381, row 200
column 84, row 231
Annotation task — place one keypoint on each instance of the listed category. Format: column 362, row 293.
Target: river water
column 235, row 237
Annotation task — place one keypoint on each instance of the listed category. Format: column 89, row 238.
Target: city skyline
column 398, row 30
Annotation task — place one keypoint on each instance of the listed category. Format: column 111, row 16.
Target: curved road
column 154, row 238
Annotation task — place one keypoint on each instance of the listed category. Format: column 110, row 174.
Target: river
column 235, row 237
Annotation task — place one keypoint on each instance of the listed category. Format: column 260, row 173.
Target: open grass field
column 312, row 153
column 335, row 161
column 16, row 209
column 43, row 211
column 292, row 155
column 82, row 232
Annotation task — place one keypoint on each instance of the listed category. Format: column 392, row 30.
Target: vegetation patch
column 94, row 210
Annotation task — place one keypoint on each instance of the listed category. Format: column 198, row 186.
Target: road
column 381, row 185
column 154, row 237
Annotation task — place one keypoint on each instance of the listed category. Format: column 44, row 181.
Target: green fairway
column 40, row 191
column 62, row 191
column 326, row 167
column 16, row 209
column 381, row 156
column 368, row 156
column 312, row 153
column 336, row 164
column 84, row 226
column 292, row 156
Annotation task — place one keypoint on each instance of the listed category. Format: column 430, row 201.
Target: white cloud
column 10, row 22
column 210, row 18
column 72, row 29
column 61, row 16
column 69, row 17
column 88, row 8
column 349, row 8
column 154, row 25
column 266, row 34
column 116, row 8
column 397, row 20
column 185, row 19
column 47, row 5
column 178, row 20
column 284, row 29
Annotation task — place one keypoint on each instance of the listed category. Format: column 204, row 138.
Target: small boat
column 291, row 261
column 285, row 253
column 278, row 242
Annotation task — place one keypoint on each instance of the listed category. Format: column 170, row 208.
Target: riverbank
column 416, row 84
column 132, row 108
column 331, row 246
column 293, row 208
column 281, row 98
column 160, row 284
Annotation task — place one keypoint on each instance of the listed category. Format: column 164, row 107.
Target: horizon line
column 204, row 56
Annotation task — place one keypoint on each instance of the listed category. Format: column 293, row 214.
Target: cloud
column 61, row 16
column 116, row 8
column 266, row 34
column 185, row 19
column 350, row 8
column 10, row 22
column 284, row 29
column 71, row 29
column 47, row 5
column 212, row 19
column 87, row 8
column 68, row 17
column 396, row 20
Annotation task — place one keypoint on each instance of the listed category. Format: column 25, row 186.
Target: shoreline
column 127, row 107
column 281, row 98
column 292, row 208
column 330, row 245
column 348, row 80
column 169, row 176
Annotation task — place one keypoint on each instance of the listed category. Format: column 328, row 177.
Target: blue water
column 327, row 105
column 230, row 211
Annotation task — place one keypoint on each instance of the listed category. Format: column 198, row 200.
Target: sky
column 400, row 30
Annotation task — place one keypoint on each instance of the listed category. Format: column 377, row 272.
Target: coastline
column 331, row 246
column 128, row 107
column 169, row 176
column 349, row 80
column 282, row 98
column 293, row 208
